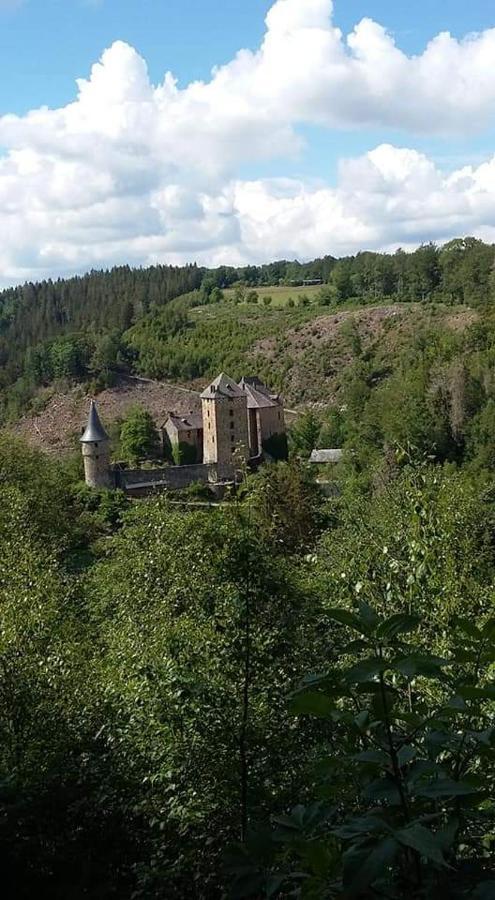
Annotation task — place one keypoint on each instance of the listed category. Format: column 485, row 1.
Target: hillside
column 55, row 429
column 413, row 331
column 309, row 355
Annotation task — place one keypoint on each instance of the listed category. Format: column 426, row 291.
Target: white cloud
column 138, row 173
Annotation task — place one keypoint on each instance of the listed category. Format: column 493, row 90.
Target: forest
column 287, row 695
column 284, row 696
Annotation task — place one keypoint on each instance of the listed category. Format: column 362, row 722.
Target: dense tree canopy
column 188, row 698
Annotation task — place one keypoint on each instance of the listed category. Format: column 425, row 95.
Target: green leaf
column 461, row 655
column 368, row 616
column 356, row 647
column 360, row 826
column 346, row 618
column 456, row 703
column 485, row 738
column 362, row 719
column 468, row 628
column 312, row 704
column 446, row 836
column 417, row 664
column 489, row 629
column 468, row 692
column 375, row 757
column 383, row 789
column 444, row 787
column 397, row 624
column 423, row 841
column 365, row 670
column 406, row 755
column 362, row 869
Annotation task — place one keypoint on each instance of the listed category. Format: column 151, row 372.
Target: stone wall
column 139, row 482
column 225, row 427
column 271, row 419
column 97, row 470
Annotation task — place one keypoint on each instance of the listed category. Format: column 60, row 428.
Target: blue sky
column 45, row 44
column 336, row 148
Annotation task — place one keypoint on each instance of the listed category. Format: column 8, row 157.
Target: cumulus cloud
column 132, row 172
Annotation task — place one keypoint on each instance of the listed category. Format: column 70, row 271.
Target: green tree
column 304, row 434
column 197, row 614
column 288, row 507
column 138, row 436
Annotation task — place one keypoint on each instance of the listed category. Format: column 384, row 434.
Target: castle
column 240, row 424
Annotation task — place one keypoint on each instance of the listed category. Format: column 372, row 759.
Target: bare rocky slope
column 56, row 428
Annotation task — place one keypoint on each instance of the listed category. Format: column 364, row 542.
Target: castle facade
column 240, row 424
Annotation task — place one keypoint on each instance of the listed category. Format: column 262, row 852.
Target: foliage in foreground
column 156, row 706
column 404, row 783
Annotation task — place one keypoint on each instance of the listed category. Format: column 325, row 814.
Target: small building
column 266, row 422
column 326, row 456
column 182, row 438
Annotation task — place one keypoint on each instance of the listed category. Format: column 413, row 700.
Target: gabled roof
column 258, row 400
column 256, row 383
column 223, row 386
column 259, row 396
column 94, row 429
column 326, row 456
column 191, row 422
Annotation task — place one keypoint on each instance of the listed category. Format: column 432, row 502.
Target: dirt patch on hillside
column 327, row 329
column 55, row 430
column 461, row 320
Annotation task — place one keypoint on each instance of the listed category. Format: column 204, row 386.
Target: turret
column 95, row 445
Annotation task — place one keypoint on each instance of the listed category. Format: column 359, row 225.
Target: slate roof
column 94, row 429
column 192, row 422
column 326, row 456
column 259, row 396
column 223, row 386
column 257, row 399
column 256, row 383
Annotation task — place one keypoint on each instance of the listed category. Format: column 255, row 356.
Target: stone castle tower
column 95, row 445
column 225, row 425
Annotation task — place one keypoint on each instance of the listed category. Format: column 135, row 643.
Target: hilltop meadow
column 285, row 695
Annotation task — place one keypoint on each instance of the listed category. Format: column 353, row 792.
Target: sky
column 172, row 131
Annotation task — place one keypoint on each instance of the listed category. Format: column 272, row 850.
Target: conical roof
column 223, row 386
column 94, row 429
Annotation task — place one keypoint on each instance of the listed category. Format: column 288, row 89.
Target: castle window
column 231, row 424
column 232, row 438
column 231, row 412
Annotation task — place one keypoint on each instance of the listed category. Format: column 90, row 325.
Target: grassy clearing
column 281, row 294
